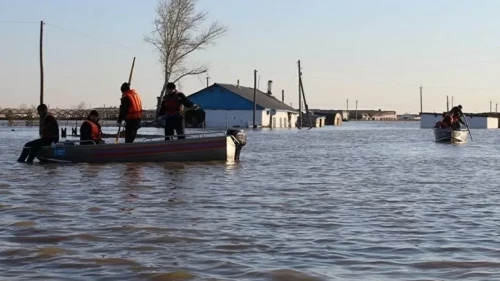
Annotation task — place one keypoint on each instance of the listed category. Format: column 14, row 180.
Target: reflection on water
column 364, row 201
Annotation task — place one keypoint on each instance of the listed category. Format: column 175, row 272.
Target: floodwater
column 364, row 201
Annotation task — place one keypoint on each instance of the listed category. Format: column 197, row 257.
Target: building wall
column 279, row 120
column 244, row 118
column 218, row 98
column 409, row 117
column 231, row 118
column 428, row 120
column 384, row 117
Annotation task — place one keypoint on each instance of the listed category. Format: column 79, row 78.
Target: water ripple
column 365, row 201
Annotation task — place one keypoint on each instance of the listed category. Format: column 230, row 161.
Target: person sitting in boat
column 91, row 130
column 171, row 111
column 49, row 133
column 456, row 114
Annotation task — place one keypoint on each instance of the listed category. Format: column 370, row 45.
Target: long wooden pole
column 129, row 81
column 254, row 96
column 41, row 62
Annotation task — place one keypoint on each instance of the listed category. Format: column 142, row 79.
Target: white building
column 428, row 120
column 228, row 105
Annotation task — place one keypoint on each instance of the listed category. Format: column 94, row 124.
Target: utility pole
column 451, row 101
column 300, row 100
column 496, row 108
column 490, row 108
column 447, row 105
column 347, row 108
column 356, row 110
column 41, row 62
column 254, row 97
column 283, row 96
column 421, row 104
column 208, row 79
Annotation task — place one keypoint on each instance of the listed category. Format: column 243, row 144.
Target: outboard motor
column 240, row 139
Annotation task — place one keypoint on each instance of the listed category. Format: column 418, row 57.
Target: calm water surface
column 364, row 201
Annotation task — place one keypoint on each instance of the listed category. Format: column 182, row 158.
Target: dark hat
column 171, row 85
column 94, row 113
column 125, row 87
column 42, row 107
column 459, row 106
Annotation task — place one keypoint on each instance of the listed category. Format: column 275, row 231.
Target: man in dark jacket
column 456, row 114
column 171, row 110
column 91, row 130
column 49, row 133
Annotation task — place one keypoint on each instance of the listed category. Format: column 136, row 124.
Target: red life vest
column 95, row 133
column 172, row 104
column 135, row 109
column 448, row 120
column 45, row 129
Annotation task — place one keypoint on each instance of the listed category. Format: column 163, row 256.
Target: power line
column 92, row 37
column 19, row 22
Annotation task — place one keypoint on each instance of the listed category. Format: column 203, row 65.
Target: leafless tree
column 177, row 34
column 80, row 106
column 23, row 106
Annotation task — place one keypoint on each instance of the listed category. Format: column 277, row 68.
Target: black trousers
column 32, row 147
column 131, row 127
column 174, row 124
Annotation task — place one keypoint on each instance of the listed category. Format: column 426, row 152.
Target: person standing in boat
column 171, row 110
column 91, row 130
column 130, row 111
column 456, row 114
column 49, row 133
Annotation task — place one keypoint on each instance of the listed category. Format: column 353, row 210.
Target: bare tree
column 23, row 106
column 80, row 106
column 176, row 35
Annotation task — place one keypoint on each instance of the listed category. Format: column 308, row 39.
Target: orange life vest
column 172, row 104
column 46, row 131
column 135, row 109
column 95, row 133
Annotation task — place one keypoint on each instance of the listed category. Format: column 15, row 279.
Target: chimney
column 238, row 83
column 269, row 87
column 283, row 96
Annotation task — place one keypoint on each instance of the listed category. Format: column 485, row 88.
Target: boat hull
column 215, row 148
column 450, row 136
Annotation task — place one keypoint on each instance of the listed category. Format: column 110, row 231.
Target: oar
column 129, row 80
column 467, row 125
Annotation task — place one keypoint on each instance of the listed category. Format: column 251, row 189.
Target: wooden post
column 283, row 96
column 41, row 62
column 347, row 109
column 208, row 79
column 421, row 104
column 356, row 110
column 447, row 105
column 452, row 102
column 496, row 108
column 491, row 110
column 304, row 96
column 300, row 101
column 254, row 97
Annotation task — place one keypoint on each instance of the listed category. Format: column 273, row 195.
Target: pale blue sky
column 375, row 51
